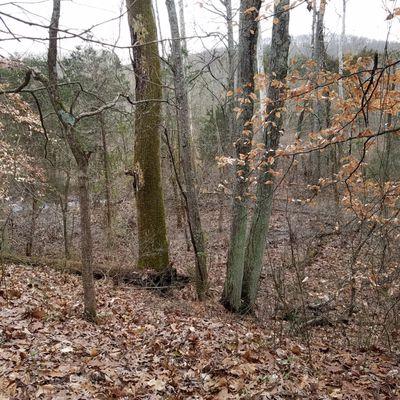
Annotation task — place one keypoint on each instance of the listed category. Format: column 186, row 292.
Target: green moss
column 152, row 232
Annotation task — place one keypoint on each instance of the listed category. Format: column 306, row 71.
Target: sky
column 364, row 18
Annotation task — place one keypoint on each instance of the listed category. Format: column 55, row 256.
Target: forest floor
column 153, row 345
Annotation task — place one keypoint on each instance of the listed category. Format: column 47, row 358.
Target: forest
column 199, row 199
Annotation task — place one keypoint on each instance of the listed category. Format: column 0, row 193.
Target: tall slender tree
column 182, row 104
column 231, row 68
column 69, row 122
column 247, row 51
column 321, row 107
column 82, row 157
column 274, row 111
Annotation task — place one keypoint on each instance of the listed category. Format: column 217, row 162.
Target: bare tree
column 68, row 122
column 231, row 67
column 321, row 106
column 256, row 241
column 247, row 51
column 182, row 104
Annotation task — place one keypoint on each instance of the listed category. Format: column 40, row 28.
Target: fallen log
column 55, row 263
column 144, row 278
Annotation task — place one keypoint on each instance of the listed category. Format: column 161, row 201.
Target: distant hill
column 352, row 45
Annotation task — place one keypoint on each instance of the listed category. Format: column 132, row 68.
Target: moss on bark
column 153, row 244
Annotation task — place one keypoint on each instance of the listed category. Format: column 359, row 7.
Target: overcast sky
column 364, row 18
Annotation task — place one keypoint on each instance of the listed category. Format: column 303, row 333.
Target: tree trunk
column 313, row 25
column 248, row 29
column 390, row 146
column 342, row 39
column 185, row 59
column 258, row 137
column 86, row 239
column 32, row 227
column 257, row 237
column 182, row 28
column 64, row 212
column 231, row 73
column 321, row 115
column 160, row 36
column 152, row 232
column 82, row 159
column 106, row 170
column 182, row 103
column 319, row 57
column 341, row 45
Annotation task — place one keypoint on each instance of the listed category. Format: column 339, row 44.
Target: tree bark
column 256, row 241
column 342, row 39
column 182, row 103
column 321, row 116
column 64, row 211
column 341, row 45
column 68, row 121
column 86, row 238
column 82, row 160
column 163, row 50
column 32, row 227
column 185, row 60
column 262, row 93
column 152, row 232
column 106, row 170
column 231, row 72
column 248, row 29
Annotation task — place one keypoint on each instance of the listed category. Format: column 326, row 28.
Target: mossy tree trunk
column 248, row 32
column 256, row 241
column 153, row 244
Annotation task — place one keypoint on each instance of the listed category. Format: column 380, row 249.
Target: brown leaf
column 94, row 352
column 251, row 356
column 223, row 394
column 296, row 349
column 36, row 313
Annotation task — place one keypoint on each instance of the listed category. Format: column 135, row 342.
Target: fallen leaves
column 157, row 384
column 36, row 313
column 147, row 348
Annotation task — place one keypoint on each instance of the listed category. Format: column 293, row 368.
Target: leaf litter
column 147, row 346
